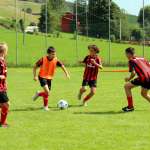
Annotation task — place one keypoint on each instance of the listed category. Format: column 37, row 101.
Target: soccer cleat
column 35, row 97
column 127, row 109
column 84, row 104
column 4, row 126
column 46, row 108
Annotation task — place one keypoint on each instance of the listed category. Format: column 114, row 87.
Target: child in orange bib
column 47, row 65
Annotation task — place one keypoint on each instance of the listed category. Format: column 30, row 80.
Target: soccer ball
column 62, row 104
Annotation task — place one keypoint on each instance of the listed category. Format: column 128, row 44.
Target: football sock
column 42, row 94
column 4, row 113
column 130, row 101
column 45, row 99
column 87, row 98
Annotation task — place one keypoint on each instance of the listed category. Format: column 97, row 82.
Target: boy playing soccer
column 92, row 64
column 4, row 106
column 47, row 66
column 140, row 67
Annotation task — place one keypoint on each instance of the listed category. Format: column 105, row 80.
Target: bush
column 113, row 38
column 29, row 10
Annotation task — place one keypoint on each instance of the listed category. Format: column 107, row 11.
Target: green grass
column 34, row 48
column 99, row 126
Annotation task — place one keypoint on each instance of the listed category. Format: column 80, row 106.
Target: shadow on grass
column 100, row 113
column 73, row 106
column 29, row 109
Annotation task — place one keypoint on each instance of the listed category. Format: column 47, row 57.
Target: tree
column 54, row 12
column 81, row 10
column 22, row 26
column 146, row 16
column 42, row 20
column 147, row 20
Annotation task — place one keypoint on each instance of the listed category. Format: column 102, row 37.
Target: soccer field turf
column 100, row 126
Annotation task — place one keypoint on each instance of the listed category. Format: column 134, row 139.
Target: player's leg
column 43, row 82
column 4, row 113
column 45, row 96
column 81, row 92
column 128, row 87
column 4, row 105
column 93, row 85
column 82, row 89
column 89, row 96
column 144, row 93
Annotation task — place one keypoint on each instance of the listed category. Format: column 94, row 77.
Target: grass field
column 100, row 126
column 34, row 48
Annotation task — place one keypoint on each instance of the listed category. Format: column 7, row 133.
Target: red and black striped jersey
column 142, row 68
column 3, row 71
column 91, row 70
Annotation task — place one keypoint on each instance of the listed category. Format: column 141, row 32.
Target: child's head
column 93, row 49
column 51, row 52
column 3, row 49
column 130, row 52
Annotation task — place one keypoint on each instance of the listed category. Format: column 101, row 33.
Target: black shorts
column 91, row 83
column 3, row 97
column 44, row 82
column 137, row 82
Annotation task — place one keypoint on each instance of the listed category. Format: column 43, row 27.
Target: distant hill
column 132, row 19
column 7, row 12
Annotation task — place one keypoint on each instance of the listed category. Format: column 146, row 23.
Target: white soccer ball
column 63, row 104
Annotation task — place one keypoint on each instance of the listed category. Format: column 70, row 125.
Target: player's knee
column 126, row 86
column 82, row 90
column 143, row 94
column 93, row 92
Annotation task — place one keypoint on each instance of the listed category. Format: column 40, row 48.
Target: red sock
column 130, row 101
column 4, row 113
column 45, row 101
column 42, row 94
column 86, row 98
column 45, row 98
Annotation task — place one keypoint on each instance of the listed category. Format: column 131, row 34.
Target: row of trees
column 94, row 19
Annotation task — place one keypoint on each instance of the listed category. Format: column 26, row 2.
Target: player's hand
column 68, row 76
column 35, row 78
column 93, row 61
column 127, row 79
column 2, row 77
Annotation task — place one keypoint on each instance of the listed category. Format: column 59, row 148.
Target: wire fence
column 25, row 48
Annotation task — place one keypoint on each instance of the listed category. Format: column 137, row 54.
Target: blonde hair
column 3, row 47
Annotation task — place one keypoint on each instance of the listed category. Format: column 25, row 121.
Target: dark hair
column 95, row 48
column 130, row 50
column 51, row 49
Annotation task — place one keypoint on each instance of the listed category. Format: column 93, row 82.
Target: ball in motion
column 63, row 104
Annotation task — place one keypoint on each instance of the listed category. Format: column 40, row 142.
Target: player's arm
column 2, row 76
column 63, row 68
column 35, row 67
column 83, row 61
column 65, row 71
column 132, row 72
column 97, row 64
column 132, row 75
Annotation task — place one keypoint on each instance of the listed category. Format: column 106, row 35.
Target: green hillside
column 34, row 48
column 132, row 19
column 7, row 8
